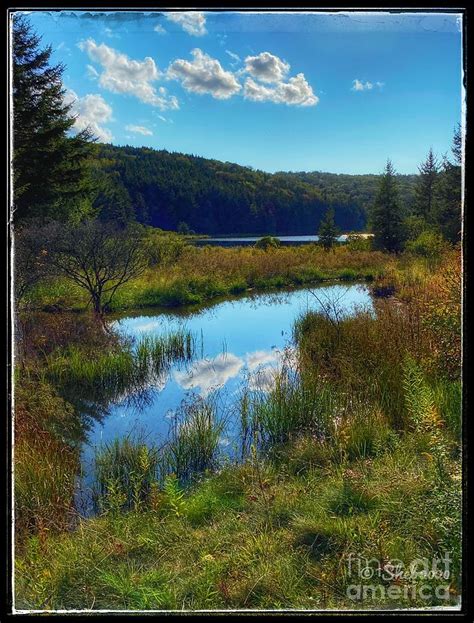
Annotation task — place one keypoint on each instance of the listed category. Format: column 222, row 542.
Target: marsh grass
column 129, row 368
column 126, row 473
column 200, row 274
column 291, row 407
column 342, row 457
column 131, row 473
column 193, row 441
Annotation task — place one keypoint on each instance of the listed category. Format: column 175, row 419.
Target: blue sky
column 330, row 92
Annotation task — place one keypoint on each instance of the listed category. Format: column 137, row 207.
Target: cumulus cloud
column 204, row 75
column 193, row 22
column 122, row 74
column 295, row 92
column 139, row 129
column 159, row 29
column 90, row 111
column 267, row 67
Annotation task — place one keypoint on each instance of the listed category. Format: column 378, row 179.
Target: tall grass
column 107, row 376
column 193, row 444
column 290, row 408
column 130, row 473
column 199, row 274
column 126, row 472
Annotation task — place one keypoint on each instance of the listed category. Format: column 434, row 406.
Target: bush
column 267, row 242
column 429, row 244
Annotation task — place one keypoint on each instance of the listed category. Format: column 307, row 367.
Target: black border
column 467, row 609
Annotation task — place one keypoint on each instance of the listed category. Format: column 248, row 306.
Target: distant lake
column 250, row 240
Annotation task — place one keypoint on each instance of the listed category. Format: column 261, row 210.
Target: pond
column 238, row 342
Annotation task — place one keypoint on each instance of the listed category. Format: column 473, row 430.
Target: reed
column 119, row 371
column 126, row 472
column 193, row 445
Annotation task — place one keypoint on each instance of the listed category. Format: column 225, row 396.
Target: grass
column 248, row 537
column 358, row 454
column 120, row 370
column 199, row 274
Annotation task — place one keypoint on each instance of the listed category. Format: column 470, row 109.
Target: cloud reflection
column 209, row 374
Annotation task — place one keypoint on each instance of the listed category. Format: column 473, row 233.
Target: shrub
column 267, row 242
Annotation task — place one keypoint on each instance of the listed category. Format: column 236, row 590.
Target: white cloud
column 90, row 111
column 204, row 75
column 295, row 92
column 267, row 67
column 159, row 29
column 209, row 374
column 359, row 85
column 139, row 129
column 235, row 57
column 122, row 74
column 92, row 72
column 108, row 32
column 194, row 23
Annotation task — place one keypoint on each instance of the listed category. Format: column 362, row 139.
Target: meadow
column 183, row 274
column 331, row 455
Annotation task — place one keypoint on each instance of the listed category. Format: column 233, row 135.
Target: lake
column 240, row 341
column 250, row 240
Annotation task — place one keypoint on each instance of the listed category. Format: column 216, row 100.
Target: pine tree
column 49, row 167
column 426, row 186
column 327, row 230
column 448, row 198
column 386, row 216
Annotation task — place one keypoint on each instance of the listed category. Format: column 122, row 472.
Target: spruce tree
column 49, row 167
column 447, row 205
column 327, row 230
column 386, row 216
column 426, row 187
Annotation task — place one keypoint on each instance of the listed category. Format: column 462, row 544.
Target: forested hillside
column 166, row 189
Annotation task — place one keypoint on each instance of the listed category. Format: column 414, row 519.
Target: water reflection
column 243, row 342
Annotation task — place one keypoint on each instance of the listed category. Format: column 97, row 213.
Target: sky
column 338, row 92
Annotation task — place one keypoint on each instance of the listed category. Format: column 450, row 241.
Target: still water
column 238, row 342
column 251, row 240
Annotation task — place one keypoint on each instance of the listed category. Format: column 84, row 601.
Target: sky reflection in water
column 238, row 341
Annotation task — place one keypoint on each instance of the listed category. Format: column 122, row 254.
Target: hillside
column 165, row 189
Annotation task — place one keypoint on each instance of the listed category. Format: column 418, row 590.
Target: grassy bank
column 358, row 454
column 185, row 275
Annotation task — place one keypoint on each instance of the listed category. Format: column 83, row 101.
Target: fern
column 424, row 416
column 174, row 495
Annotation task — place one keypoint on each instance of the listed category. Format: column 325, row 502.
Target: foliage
column 428, row 243
column 50, row 168
column 98, row 257
column 386, row 216
column 166, row 189
column 267, row 242
column 328, row 231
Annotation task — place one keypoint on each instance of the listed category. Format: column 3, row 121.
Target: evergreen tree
column 447, row 205
column 49, row 168
column 426, row 186
column 327, row 230
column 386, row 217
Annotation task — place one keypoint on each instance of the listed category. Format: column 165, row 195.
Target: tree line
column 101, row 192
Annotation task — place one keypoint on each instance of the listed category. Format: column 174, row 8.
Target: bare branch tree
column 99, row 257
